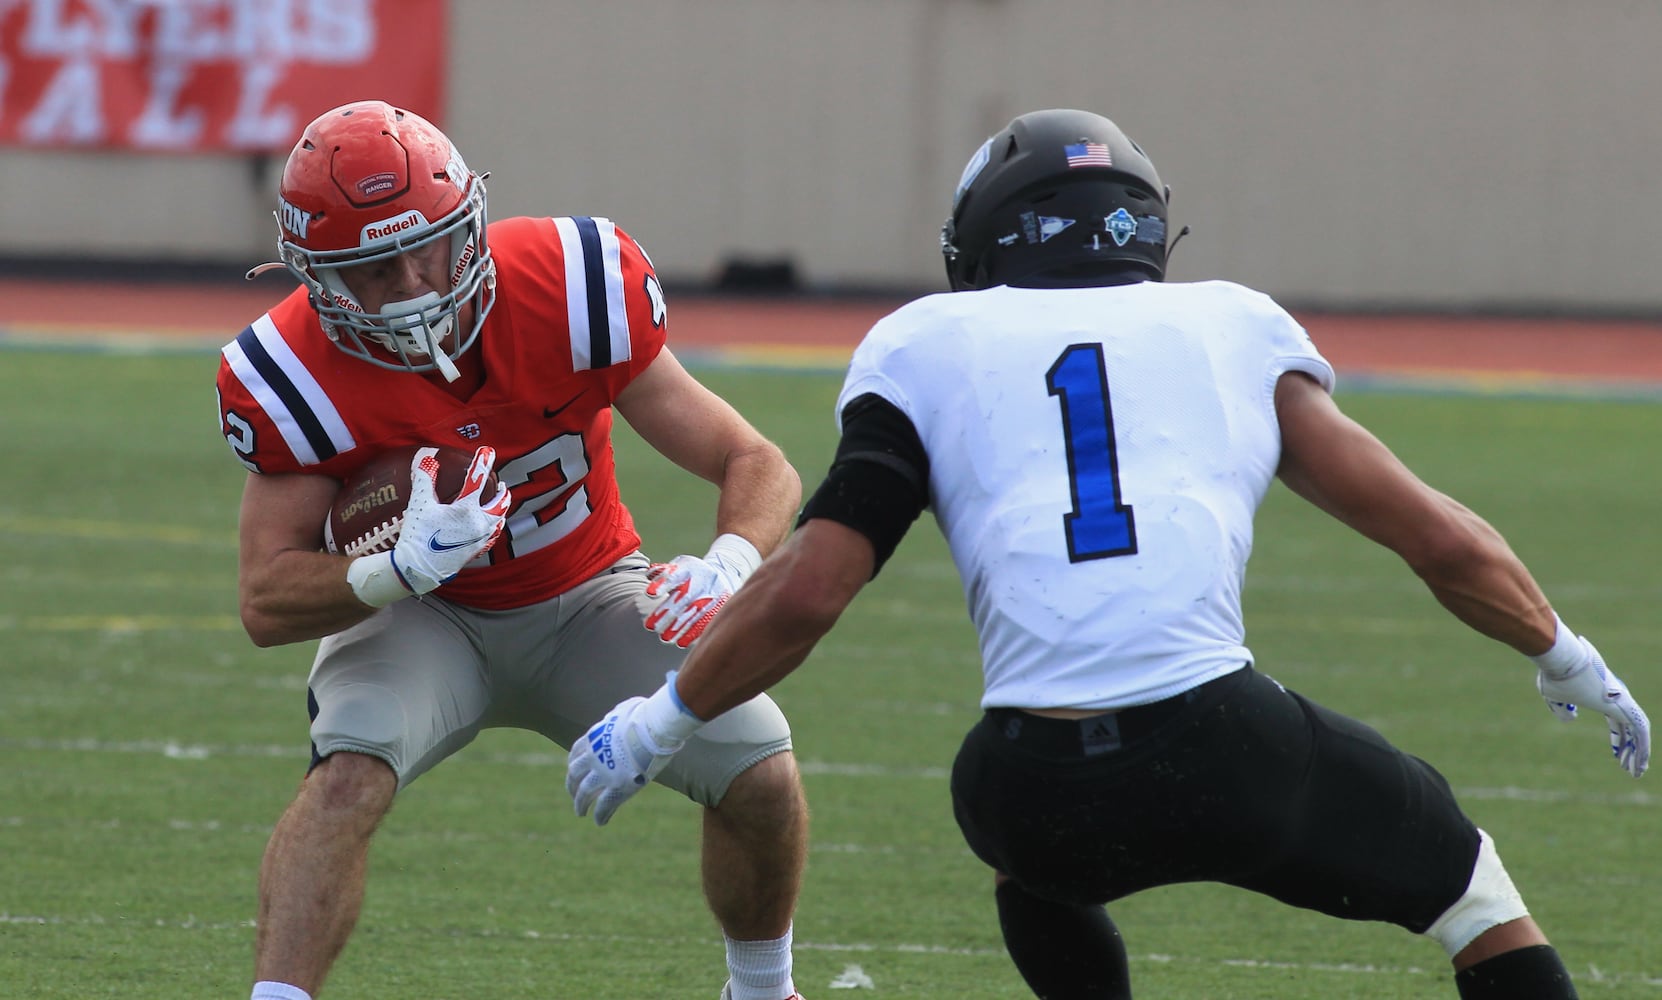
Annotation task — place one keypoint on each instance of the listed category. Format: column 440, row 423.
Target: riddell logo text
column 461, row 265
column 392, row 227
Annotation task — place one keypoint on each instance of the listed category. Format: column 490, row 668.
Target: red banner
column 208, row 75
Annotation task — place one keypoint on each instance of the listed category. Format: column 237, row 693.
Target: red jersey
column 578, row 314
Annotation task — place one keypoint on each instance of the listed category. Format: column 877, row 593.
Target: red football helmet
column 369, row 181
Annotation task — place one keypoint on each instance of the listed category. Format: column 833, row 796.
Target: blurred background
column 1467, row 156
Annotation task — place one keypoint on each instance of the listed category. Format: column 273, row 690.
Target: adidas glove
column 626, row 749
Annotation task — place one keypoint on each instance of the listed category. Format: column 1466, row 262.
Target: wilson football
column 369, row 509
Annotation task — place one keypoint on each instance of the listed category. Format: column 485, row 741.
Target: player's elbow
column 264, row 630
column 260, row 633
column 767, row 473
column 772, row 457
column 266, row 624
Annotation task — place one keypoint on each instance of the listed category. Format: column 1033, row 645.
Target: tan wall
column 1461, row 153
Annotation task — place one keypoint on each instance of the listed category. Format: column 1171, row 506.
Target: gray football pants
column 418, row 680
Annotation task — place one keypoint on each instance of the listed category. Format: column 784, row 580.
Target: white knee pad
column 1490, row 900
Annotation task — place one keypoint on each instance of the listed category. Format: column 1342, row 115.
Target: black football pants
column 1238, row 781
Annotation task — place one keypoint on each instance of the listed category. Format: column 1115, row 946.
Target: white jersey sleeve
column 1096, row 459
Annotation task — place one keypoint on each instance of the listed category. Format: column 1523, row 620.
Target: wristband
column 675, row 696
column 735, row 554
column 376, row 580
column 1567, row 655
column 666, row 719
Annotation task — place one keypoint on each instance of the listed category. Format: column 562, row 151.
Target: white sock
column 760, row 970
column 278, row 991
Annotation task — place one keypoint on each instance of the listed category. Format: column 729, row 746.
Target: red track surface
column 1603, row 351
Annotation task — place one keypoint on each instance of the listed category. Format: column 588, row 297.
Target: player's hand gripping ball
column 369, row 509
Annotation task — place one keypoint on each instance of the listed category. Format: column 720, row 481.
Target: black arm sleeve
column 879, row 479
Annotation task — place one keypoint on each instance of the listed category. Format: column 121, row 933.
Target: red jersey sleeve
column 273, row 411
column 643, row 299
column 591, row 280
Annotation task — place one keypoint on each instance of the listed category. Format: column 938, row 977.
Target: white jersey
column 1096, row 459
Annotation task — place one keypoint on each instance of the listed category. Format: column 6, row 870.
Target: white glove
column 626, row 749
column 1572, row 674
column 435, row 540
column 694, row 589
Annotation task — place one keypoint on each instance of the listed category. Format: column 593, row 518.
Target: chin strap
column 447, row 367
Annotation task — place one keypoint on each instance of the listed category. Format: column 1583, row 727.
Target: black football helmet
column 1057, row 191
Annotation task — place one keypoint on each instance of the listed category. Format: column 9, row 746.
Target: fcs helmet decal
column 365, row 182
column 1058, row 191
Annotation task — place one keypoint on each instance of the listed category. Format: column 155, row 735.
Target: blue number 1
column 1100, row 525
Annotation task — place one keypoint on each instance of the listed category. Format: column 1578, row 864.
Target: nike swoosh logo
column 550, row 414
column 438, row 546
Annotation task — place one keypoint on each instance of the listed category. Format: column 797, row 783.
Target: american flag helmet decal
column 1088, row 154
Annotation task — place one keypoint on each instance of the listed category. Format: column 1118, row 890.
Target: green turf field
column 146, row 747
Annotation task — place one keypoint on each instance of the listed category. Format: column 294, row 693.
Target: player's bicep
column 281, row 512
column 1341, row 467
column 684, row 420
column 878, row 483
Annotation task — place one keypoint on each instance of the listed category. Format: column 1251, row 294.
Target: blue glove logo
column 600, row 741
column 438, row 546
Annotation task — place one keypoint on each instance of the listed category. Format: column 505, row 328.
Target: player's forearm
column 766, row 631
column 298, row 596
column 1525, row 624
column 1476, row 576
column 760, row 494
column 735, row 663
